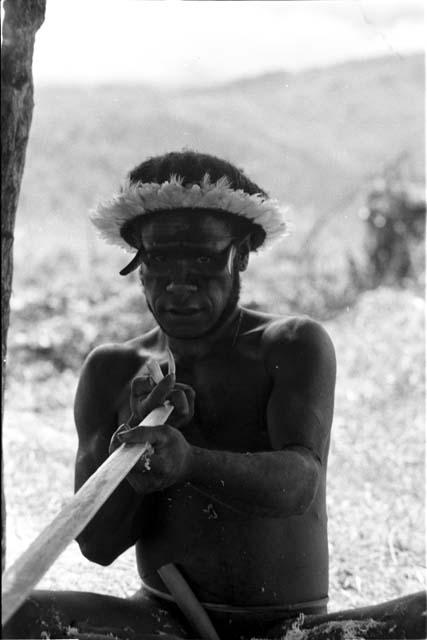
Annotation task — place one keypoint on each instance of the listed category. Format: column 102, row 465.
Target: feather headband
column 141, row 198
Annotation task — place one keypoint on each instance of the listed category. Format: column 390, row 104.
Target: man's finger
column 189, row 391
column 161, row 391
column 142, row 435
column 179, row 400
column 115, row 442
column 190, row 394
column 142, row 385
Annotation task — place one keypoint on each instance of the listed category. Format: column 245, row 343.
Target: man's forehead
column 195, row 228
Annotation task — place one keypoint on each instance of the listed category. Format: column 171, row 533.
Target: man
column 236, row 491
column 233, row 494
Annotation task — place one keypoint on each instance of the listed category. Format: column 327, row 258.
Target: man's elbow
column 309, row 485
column 296, row 500
column 96, row 553
column 305, row 500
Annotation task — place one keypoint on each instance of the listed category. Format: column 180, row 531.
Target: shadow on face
column 190, row 271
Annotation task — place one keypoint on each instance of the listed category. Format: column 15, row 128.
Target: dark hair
column 192, row 166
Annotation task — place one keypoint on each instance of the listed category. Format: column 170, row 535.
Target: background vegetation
column 316, row 140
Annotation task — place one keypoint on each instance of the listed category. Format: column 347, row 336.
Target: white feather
column 142, row 198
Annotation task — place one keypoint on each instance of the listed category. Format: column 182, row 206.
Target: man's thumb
column 161, row 391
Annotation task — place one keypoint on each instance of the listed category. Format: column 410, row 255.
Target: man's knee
column 36, row 616
column 63, row 614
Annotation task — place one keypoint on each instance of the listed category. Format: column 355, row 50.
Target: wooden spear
column 27, row 571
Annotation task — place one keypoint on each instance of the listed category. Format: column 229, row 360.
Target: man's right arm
column 117, row 525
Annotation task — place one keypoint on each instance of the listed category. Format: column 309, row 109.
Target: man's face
column 187, row 271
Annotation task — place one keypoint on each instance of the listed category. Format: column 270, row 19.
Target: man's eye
column 203, row 259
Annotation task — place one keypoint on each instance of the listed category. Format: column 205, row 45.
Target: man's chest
column 231, row 403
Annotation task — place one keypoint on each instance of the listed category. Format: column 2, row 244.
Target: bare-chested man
column 235, row 496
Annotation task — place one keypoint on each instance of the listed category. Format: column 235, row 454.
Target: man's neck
column 223, row 337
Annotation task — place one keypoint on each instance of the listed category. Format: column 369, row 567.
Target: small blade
column 155, row 371
column 171, row 362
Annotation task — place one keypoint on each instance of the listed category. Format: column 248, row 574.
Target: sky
column 178, row 43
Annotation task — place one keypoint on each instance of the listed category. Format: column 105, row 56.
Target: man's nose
column 181, row 283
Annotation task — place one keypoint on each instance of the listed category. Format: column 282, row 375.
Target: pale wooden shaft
column 28, row 570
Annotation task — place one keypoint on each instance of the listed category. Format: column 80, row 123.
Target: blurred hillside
column 311, row 139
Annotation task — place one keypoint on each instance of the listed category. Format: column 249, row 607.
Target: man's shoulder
column 290, row 341
column 105, row 377
column 292, row 330
column 117, row 360
column 278, row 330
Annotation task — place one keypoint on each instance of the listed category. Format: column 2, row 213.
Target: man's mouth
column 179, row 312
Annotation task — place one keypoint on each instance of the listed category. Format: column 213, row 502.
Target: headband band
column 139, row 199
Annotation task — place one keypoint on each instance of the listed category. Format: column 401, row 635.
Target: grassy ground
column 375, row 481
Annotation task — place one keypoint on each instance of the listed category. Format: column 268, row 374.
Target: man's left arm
column 300, row 358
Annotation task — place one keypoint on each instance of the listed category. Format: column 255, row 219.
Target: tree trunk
column 22, row 18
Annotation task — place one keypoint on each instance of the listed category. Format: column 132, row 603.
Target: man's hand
column 146, row 395
column 169, row 461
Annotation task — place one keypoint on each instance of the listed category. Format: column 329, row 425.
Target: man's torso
column 228, row 556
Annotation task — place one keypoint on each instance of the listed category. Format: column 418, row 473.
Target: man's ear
column 243, row 249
